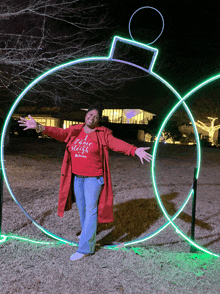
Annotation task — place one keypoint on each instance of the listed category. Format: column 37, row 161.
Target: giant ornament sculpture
column 181, row 102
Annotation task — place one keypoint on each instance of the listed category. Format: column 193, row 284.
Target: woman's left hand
column 143, row 154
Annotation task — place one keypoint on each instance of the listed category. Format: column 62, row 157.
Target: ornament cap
column 143, row 55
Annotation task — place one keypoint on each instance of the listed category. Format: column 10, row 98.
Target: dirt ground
column 162, row 264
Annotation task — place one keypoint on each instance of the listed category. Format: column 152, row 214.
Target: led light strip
column 181, row 102
column 5, row 237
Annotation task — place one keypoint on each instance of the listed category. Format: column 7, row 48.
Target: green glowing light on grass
column 181, row 102
column 3, row 239
column 9, row 236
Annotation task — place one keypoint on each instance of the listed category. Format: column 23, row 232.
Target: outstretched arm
column 121, row 146
column 54, row 132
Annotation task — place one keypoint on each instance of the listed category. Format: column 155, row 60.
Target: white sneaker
column 77, row 256
column 79, row 236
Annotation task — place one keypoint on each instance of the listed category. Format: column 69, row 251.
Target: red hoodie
column 105, row 140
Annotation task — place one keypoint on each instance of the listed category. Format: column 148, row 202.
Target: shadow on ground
column 134, row 217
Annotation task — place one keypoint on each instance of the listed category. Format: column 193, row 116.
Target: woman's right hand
column 29, row 124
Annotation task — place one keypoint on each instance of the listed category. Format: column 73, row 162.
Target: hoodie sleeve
column 120, row 145
column 57, row 133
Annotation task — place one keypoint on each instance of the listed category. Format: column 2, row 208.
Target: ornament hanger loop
column 129, row 25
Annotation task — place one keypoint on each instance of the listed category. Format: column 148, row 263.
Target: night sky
column 188, row 48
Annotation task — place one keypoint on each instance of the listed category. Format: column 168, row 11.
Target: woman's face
column 92, row 118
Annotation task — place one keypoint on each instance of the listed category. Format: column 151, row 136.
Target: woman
column 85, row 171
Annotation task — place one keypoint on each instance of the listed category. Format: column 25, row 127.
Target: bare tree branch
column 37, row 35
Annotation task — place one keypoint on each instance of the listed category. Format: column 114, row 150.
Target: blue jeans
column 87, row 192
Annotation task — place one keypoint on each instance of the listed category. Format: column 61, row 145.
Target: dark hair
column 97, row 106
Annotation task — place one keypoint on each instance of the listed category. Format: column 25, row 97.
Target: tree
column 206, row 104
column 171, row 129
column 206, row 109
column 210, row 129
column 37, row 35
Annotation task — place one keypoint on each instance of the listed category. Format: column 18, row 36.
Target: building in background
column 51, row 117
column 127, row 116
column 48, row 116
column 125, row 123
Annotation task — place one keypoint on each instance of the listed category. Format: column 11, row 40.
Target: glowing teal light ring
column 129, row 24
column 198, row 166
column 29, row 240
column 95, row 59
column 155, row 51
column 31, row 86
